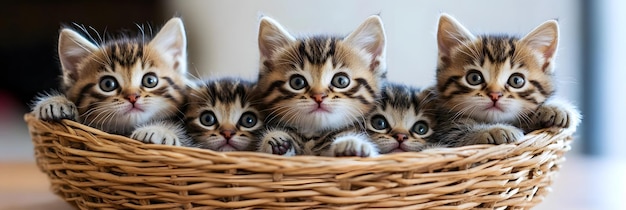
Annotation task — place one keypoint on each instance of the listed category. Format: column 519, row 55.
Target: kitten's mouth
column 494, row 107
column 320, row 108
column 134, row 109
column 401, row 148
column 397, row 150
column 226, row 148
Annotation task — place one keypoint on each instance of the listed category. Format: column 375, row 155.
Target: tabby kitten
column 222, row 116
column 120, row 84
column 404, row 119
column 317, row 89
column 495, row 88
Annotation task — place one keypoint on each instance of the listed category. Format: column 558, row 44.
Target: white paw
column 54, row 107
column 499, row 134
column 559, row 114
column 159, row 133
column 352, row 145
column 278, row 143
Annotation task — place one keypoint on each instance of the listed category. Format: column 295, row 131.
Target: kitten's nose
column 132, row 98
column 401, row 137
column 495, row 96
column 319, row 97
column 227, row 133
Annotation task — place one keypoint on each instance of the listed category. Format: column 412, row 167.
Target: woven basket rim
column 90, row 169
column 529, row 142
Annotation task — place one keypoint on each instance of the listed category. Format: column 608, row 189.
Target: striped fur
column 491, row 88
column 231, row 105
column 301, row 81
column 404, row 119
column 119, row 84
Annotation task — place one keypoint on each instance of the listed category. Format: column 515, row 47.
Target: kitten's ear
column 73, row 49
column 370, row 36
column 544, row 39
column 450, row 34
column 272, row 36
column 172, row 42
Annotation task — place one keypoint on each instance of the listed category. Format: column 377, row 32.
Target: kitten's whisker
column 462, row 112
column 143, row 34
column 97, row 34
column 93, row 41
column 150, row 30
column 472, row 110
column 457, row 114
column 291, row 116
column 524, row 116
column 272, row 115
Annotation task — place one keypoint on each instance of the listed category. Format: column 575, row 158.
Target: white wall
column 610, row 95
column 223, row 34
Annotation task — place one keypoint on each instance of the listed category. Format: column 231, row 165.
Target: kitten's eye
column 379, row 122
column 420, row 128
column 247, row 120
column 108, row 83
column 207, row 118
column 517, row 80
column 341, row 80
column 150, row 80
column 297, row 82
column 474, row 77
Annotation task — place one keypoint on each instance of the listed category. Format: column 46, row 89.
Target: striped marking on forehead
column 400, row 97
column 317, row 50
column 227, row 92
column 125, row 54
column 498, row 49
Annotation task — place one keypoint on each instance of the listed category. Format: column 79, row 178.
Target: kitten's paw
column 559, row 116
column 358, row 146
column 55, row 107
column 159, row 134
column 278, row 143
column 499, row 134
column 550, row 116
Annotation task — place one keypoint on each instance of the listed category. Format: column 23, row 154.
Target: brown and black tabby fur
column 222, row 116
column 404, row 119
column 493, row 89
column 317, row 89
column 121, row 83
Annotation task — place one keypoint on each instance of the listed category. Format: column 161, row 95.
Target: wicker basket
column 95, row 170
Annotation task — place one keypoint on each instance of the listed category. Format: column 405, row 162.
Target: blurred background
column 222, row 39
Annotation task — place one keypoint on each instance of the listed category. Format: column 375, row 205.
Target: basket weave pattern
column 95, row 170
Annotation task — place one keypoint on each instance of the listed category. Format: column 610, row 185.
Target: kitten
column 493, row 89
column 222, row 116
column 120, row 84
column 317, row 89
column 404, row 119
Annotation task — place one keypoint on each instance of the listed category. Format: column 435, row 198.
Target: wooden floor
column 583, row 184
